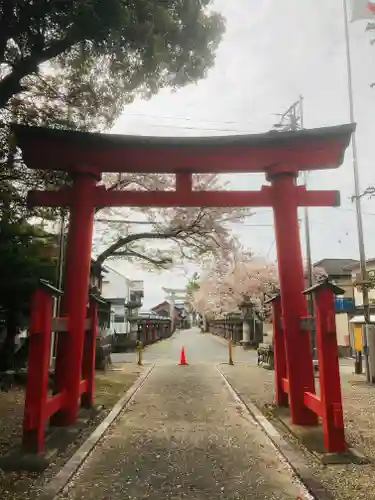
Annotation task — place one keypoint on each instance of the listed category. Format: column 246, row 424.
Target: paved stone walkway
column 184, row 436
column 199, row 347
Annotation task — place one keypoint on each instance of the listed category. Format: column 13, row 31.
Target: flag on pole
column 362, row 9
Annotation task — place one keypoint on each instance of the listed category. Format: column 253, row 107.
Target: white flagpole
column 357, row 193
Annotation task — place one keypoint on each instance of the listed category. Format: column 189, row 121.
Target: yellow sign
column 358, row 337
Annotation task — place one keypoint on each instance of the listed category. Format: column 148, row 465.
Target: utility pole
column 292, row 120
column 357, row 199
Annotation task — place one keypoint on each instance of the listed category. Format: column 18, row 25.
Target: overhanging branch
column 162, row 262
column 122, row 242
column 11, row 83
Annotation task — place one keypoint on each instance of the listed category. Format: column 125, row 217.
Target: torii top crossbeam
column 53, row 149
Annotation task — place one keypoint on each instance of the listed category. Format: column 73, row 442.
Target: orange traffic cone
column 182, row 357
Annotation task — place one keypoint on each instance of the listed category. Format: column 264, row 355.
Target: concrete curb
column 61, row 479
column 293, row 457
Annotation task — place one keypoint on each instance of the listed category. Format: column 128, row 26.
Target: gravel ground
column 184, row 436
column 16, row 486
column 343, row 481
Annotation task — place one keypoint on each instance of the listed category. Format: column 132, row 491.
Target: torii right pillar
column 284, row 194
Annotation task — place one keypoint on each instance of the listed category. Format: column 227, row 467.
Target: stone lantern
column 247, row 309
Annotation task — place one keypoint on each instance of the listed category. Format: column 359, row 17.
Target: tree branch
column 124, row 221
column 112, row 249
column 11, row 83
column 156, row 262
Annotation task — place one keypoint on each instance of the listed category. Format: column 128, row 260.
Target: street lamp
column 246, row 307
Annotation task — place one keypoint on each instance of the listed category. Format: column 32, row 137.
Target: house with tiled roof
column 340, row 272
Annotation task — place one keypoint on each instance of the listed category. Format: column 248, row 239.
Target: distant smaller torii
column 173, row 294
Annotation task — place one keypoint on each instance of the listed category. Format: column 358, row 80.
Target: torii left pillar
column 70, row 345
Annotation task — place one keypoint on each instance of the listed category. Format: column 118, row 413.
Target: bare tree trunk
column 8, row 346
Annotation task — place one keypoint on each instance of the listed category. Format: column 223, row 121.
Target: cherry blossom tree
column 241, row 276
column 229, row 282
column 162, row 237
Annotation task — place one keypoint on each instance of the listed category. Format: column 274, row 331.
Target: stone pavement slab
column 185, row 436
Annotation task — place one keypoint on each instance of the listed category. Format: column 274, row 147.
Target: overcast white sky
column 272, row 52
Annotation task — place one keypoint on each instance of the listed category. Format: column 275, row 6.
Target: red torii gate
column 281, row 156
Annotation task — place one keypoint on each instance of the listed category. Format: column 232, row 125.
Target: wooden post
column 329, row 371
column 35, row 412
column 140, row 347
column 89, row 355
column 279, row 352
column 70, row 349
column 289, row 255
column 230, row 352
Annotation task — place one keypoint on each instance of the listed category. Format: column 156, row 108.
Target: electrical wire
column 160, row 125
column 188, row 118
column 271, row 247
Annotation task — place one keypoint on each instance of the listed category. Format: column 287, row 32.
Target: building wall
column 164, row 310
column 359, row 298
column 342, row 331
column 116, row 285
column 347, row 285
column 357, row 292
column 121, row 290
column 120, row 324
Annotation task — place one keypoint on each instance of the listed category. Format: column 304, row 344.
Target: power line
column 271, row 247
column 188, row 118
column 159, row 125
column 353, row 210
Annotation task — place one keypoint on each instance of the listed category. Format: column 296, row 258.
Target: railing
column 232, row 328
column 151, row 330
column 228, row 329
column 344, row 304
column 146, row 329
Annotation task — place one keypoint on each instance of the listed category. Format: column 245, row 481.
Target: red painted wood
column 329, row 371
column 285, row 385
column 289, row 256
column 37, row 374
column 78, row 261
column 262, row 198
column 279, row 354
column 184, row 182
column 319, row 198
column 280, row 157
column 313, row 402
column 89, row 353
column 83, row 386
column 55, row 403
column 308, row 154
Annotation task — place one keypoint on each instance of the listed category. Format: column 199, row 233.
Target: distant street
column 199, row 348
